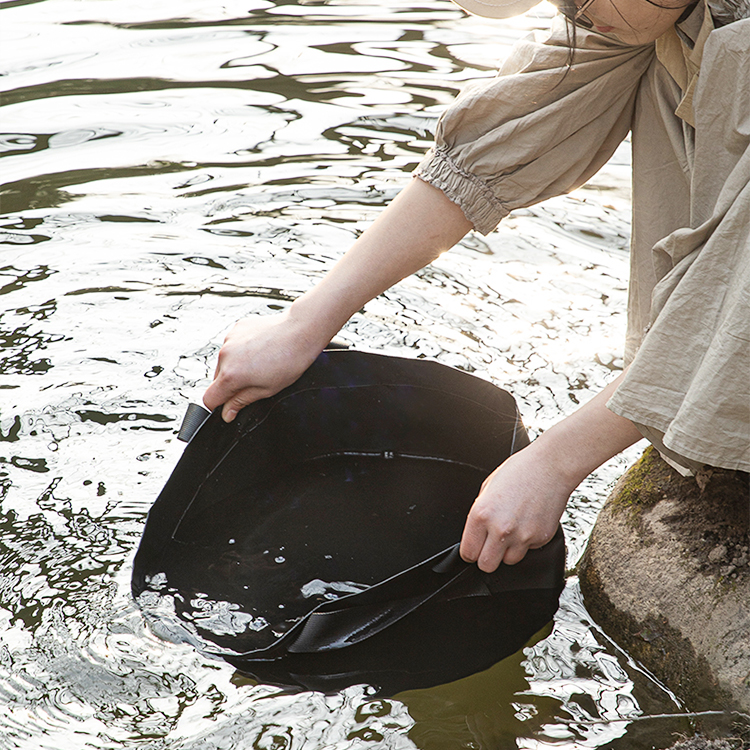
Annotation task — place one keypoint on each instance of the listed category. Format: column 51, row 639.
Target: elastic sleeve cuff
column 470, row 194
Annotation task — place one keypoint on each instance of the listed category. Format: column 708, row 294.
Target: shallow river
column 171, row 167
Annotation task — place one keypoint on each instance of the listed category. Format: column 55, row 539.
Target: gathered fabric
column 542, row 128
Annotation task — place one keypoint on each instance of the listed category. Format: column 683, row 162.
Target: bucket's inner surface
column 362, row 469
column 316, row 531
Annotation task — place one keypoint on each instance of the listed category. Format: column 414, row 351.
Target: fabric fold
column 690, row 380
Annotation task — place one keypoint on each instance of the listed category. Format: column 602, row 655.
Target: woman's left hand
column 520, row 504
column 518, row 508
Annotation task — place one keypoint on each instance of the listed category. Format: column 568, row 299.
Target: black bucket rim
column 351, row 619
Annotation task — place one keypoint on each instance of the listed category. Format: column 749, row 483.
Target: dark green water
column 170, row 167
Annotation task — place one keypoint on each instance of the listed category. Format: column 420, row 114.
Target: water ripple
column 168, row 169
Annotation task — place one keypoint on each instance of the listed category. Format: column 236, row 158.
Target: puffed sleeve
column 542, row 127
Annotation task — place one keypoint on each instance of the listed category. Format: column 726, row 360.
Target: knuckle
column 235, row 403
column 481, row 514
column 241, row 399
column 525, row 537
column 229, row 378
column 504, row 529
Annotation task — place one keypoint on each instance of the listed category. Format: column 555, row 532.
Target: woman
column 546, row 124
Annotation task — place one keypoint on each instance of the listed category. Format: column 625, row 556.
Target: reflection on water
column 169, row 168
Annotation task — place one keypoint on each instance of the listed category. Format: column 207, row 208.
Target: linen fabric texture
column 543, row 127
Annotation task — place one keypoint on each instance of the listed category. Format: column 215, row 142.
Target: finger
column 215, row 395
column 472, row 540
column 239, row 401
column 492, row 554
column 514, row 554
column 221, row 392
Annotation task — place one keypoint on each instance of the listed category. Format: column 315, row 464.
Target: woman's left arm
column 521, row 502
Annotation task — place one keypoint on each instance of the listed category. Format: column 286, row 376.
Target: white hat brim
column 497, row 8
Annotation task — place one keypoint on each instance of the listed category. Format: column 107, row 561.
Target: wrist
column 313, row 326
column 584, row 440
column 560, row 457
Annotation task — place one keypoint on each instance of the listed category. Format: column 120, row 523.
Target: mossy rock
column 647, row 481
column 666, row 573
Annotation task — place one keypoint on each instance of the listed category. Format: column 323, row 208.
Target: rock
column 659, row 576
column 700, row 743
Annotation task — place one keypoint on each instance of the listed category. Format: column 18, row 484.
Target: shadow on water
column 169, row 169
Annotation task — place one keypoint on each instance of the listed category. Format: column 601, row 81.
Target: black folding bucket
column 314, row 540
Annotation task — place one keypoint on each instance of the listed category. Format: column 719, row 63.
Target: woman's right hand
column 260, row 356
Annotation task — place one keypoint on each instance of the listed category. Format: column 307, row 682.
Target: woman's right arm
column 262, row 355
column 537, row 130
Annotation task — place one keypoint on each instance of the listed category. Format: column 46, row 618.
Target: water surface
column 171, row 167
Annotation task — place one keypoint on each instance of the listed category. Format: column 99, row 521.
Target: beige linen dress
column 542, row 128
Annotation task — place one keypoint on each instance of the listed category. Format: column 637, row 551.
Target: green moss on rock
column 648, row 481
